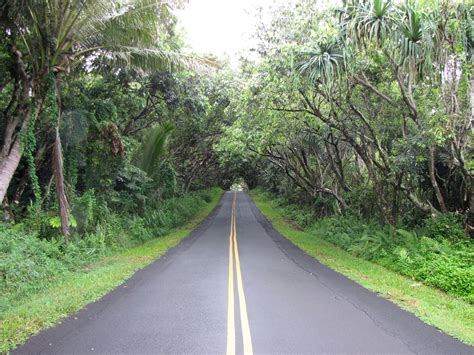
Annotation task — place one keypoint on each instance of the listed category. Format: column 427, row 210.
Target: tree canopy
column 363, row 105
column 357, row 107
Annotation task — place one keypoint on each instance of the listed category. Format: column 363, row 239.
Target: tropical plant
column 323, row 62
column 372, row 20
column 417, row 40
column 153, row 150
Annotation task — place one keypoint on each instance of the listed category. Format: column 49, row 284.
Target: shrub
column 207, row 197
column 445, row 226
column 28, row 263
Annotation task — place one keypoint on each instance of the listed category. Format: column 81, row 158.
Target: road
column 237, row 286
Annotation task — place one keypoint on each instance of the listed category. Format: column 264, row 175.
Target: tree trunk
column 188, row 183
column 434, row 183
column 16, row 121
column 8, row 215
column 60, row 188
column 8, row 166
column 58, row 164
column 12, row 149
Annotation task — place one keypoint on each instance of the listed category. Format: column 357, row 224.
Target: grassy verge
column 76, row 289
column 448, row 313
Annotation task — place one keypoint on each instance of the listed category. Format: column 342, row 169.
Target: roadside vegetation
column 379, row 267
column 30, row 264
column 112, row 133
column 437, row 253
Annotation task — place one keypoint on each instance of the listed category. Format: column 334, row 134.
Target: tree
column 46, row 39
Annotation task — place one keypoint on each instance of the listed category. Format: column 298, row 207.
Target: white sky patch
column 221, row 27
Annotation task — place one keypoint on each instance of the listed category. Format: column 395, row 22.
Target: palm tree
column 408, row 36
column 417, row 41
column 406, row 33
column 46, row 38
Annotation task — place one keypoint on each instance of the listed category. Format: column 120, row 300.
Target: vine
column 28, row 137
column 29, row 142
column 51, row 102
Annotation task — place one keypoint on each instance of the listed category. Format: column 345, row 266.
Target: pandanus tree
column 422, row 52
column 45, row 39
column 411, row 46
column 373, row 20
column 323, row 62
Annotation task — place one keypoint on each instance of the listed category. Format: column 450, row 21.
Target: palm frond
column 371, row 20
column 153, row 59
column 153, row 149
column 138, row 33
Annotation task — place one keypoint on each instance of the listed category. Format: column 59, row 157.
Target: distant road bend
column 237, row 286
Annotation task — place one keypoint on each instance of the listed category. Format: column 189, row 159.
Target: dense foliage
column 107, row 127
column 98, row 99
column 364, row 108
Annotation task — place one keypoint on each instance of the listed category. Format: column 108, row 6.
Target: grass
column 77, row 289
column 445, row 312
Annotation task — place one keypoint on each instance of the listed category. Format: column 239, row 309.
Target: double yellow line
column 244, row 320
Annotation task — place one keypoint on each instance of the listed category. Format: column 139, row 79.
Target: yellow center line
column 244, row 319
column 247, row 339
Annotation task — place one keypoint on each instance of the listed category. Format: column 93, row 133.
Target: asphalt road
column 262, row 295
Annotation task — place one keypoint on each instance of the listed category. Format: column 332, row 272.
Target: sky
column 221, row 27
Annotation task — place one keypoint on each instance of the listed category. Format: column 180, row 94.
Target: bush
column 29, row 264
column 445, row 226
column 207, row 197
